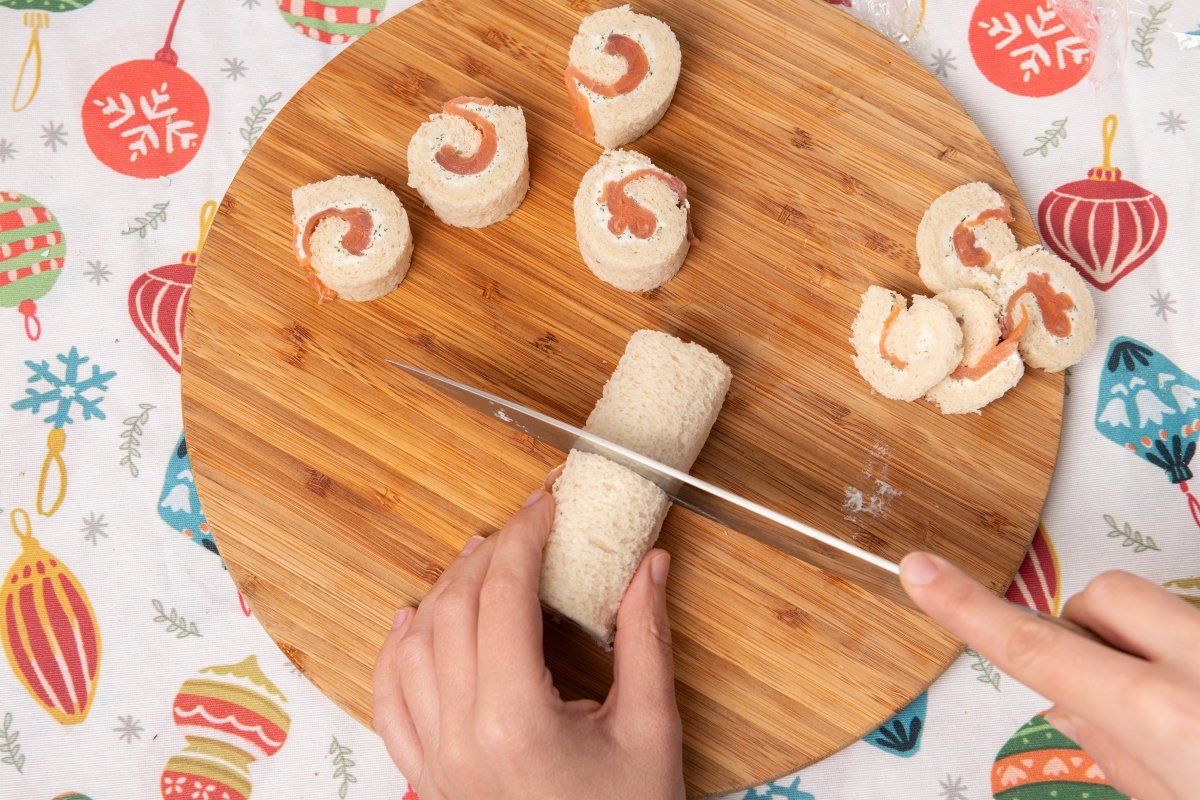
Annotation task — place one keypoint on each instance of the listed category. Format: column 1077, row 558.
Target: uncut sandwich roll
column 621, row 75
column 661, row 401
column 989, row 367
column 632, row 221
column 962, row 237
column 904, row 352
column 1062, row 318
column 470, row 163
column 351, row 237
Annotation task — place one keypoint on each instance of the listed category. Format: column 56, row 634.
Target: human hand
column 1134, row 705
column 468, row 710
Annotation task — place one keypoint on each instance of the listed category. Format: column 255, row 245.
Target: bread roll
column 989, row 367
column 351, row 237
column 632, row 221
column 470, row 163
column 1061, row 327
column 661, row 401
column 962, row 237
column 621, row 75
column 904, row 352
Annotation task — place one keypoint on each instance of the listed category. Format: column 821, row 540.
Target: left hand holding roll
column 467, row 708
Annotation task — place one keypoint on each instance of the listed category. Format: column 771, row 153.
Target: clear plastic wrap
column 1119, row 33
column 900, row 20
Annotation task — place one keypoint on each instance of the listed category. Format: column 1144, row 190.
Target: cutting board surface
column 338, row 489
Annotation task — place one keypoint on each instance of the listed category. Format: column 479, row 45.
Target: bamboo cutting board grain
column 338, row 489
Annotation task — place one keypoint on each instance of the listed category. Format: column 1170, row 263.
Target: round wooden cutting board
column 338, row 488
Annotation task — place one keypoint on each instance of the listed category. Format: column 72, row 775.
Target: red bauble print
column 1023, row 47
column 158, row 298
column 1037, row 581
column 146, row 118
column 1104, row 225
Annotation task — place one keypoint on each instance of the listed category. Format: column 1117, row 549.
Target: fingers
column 1137, row 616
column 391, row 718
column 416, row 661
column 1120, row 770
column 510, row 616
column 644, row 680
column 1068, row 669
column 456, row 628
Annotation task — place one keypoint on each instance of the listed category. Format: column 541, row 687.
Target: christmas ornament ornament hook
column 35, row 21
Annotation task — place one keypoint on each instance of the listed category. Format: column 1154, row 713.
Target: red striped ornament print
column 1037, row 583
column 49, row 630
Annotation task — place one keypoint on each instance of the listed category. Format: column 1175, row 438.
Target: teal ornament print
column 779, row 790
column 901, row 735
column 1151, row 407
column 179, row 504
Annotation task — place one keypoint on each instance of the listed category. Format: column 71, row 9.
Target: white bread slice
column 384, row 261
column 479, row 199
column 621, row 119
column 661, row 401
column 941, row 267
column 925, row 336
column 605, row 520
column 1040, row 347
column 977, row 314
column 624, row 259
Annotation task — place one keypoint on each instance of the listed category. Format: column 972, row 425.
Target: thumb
column 1121, row 771
column 644, row 668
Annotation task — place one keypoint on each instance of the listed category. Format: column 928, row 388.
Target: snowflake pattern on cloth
column 232, row 66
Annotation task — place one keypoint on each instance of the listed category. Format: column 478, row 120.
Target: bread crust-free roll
column 989, row 367
column 962, row 237
column 661, row 401
column 632, row 221
column 904, row 352
column 621, row 74
column 470, row 163
column 352, row 237
column 1062, row 318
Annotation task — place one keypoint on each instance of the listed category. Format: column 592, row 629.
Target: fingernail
column 552, row 477
column 400, row 621
column 471, row 544
column 538, row 494
column 659, row 566
column 1062, row 723
column 918, row 569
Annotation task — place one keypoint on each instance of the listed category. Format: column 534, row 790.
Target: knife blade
column 869, row 572
column 778, row 531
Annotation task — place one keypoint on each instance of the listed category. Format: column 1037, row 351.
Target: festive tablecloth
column 133, row 669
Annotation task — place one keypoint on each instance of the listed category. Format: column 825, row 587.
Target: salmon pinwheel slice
column 962, row 238
column 351, row 237
column 632, row 221
column 989, row 367
column 1062, row 317
column 904, row 352
column 621, row 75
column 470, row 163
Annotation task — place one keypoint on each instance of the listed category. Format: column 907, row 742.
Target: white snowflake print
column 1041, row 43
column 953, row 788
column 128, row 729
column 1162, row 304
column 1172, row 122
column 942, row 63
column 234, row 68
column 98, row 272
column 93, row 529
column 8, row 151
column 157, row 127
column 54, row 134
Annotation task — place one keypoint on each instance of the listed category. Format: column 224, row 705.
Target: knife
column 872, row 573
